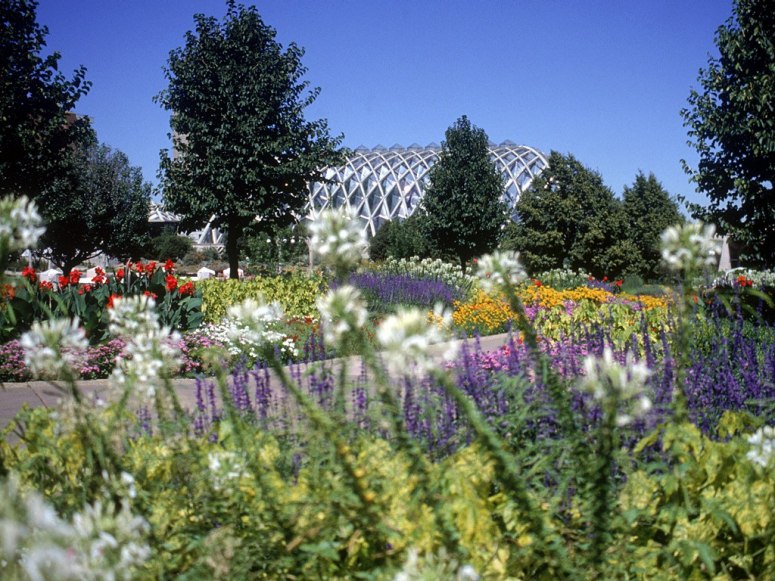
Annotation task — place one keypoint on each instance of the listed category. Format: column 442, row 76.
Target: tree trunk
column 232, row 252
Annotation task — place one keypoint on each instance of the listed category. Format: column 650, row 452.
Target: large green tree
column 37, row 131
column 648, row 210
column 570, row 218
column 462, row 210
column 243, row 149
column 100, row 205
column 732, row 125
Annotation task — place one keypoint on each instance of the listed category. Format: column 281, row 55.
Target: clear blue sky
column 602, row 79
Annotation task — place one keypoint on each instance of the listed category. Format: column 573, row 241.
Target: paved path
column 48, row 394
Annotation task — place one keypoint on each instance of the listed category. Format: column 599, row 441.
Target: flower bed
column 547, row 459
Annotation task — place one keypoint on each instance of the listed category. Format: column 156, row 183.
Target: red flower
column 169, row 266
column 172, row 283
column 98, row 279
column 743, row 280
column 29, row 273
column 619, row 283
column 605, row 279
column 63, row 281
column 537, row 282
column 591, row 278
column 99, row 272
column 139, row 268
column 120, row 273
column 187, row 289
column 85, row 289
column 8, row 292
column 111, row 298
column 45, row 285
column 149, row 294
column 150, row 267
column 75, row 276
column 694, row 298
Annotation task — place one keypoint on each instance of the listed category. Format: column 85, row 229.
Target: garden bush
column 296, row 293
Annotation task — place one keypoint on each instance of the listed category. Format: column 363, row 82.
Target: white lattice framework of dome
column 381, row 184
column 207, row 236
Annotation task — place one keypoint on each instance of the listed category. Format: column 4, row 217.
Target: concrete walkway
column 45, row 393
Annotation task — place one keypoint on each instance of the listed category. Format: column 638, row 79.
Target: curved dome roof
column 383, row 184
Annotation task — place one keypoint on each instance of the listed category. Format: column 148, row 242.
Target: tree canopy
column 570, row 218
column 37, row 129
column 462, row 207
column 101, row 205
column 732, row 125
column 243, row 149
column 648, row 211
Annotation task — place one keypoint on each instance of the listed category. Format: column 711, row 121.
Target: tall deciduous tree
column 648, row 210
column 570, row 218
column 243, row 149
column 36, row 133
column 101, row 205
column 732, row 126
column 462, row 208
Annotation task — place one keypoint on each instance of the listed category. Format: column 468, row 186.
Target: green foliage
column 400, row 239
column 102, row 206
column 732, row 127
column 276, row 248
column 570, row 219
column 170, row 245
column 297, row 293
column 36, row 132
column 243, row 148
column 649, row 210
column 703, row 513
column 462, row 210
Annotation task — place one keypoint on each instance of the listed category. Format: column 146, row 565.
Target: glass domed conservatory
column 382, row 184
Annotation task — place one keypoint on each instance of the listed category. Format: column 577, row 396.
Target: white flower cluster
column 35, row 543
column 563, row 278
column 607, row 379
column 20, row 224
column 406, row 337
column 762, row 443
column 225, row 466
column 429, row 268
column 343, row 313
column 500, row 270
column 151, row 353
column 690, row 248
column 251, row 329
column 53, row 348
column 338, row 238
